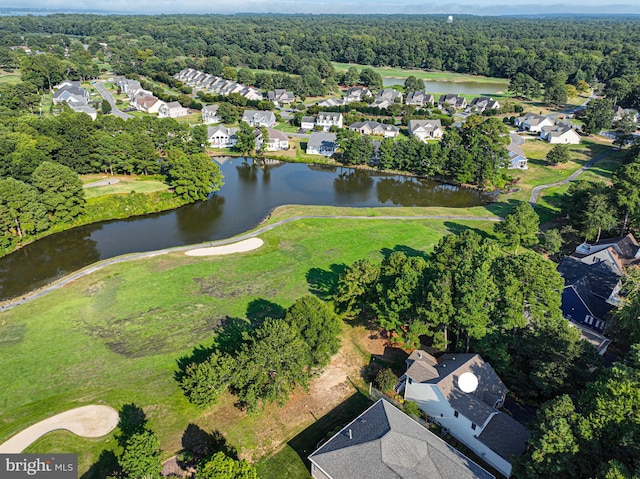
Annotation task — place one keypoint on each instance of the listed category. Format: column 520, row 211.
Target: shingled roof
column 385, row 443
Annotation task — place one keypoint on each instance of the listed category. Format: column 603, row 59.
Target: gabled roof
column 557, row 130
column 276, row 134
column 259, row 116
column 444, row 372
column 321, row 138
column 534, row 120
column 385, row 443
column 419, row 97
column 500, row 428
column 599, row 278
column 328, row 115
column 213, row 109
column 308, row 119
column 426, row 125
column 212, row 130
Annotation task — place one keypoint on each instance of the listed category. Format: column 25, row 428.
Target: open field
column 114, row 337
column 125, row 184
column 421, row 74
column 12, row 77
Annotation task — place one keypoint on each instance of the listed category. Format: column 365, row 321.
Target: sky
column 475, row 7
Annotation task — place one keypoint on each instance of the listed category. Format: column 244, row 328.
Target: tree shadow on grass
column 457, row 228
column 323, row 283
column 105, row 466
column 133, row 420
column 502, row 208
column 325, row 427
column 227, row 338
column 198, row 444
column 260, row 308
column 407, row 250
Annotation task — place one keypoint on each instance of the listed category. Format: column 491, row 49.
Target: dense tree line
column 595, row 435
column 471, row 295
column 270, row 361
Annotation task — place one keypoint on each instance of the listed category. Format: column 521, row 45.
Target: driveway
column 109, row 97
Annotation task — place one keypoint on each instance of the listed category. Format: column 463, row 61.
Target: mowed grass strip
column 125, row 184
column 114, row 337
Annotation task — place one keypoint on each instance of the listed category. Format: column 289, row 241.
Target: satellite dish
column 468, row 382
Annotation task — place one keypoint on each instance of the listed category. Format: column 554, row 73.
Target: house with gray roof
column 457, row 102
column 385, row 443
column 277, row 140
column 387, row 97
column 480, row 104
column 221, row 137
column 425, row 129
column 331, row 102
column 562, row 133
column 280, row 96
column 210, row 114
column 470, row 415
column 259, row 118
column 327, row 119
column 307, row 122
column 420, row 98
column 533, row 123
column 375, row 128
column 321, row 143
column 517, row 158
column 357, row 93
column 172, row 109
column 71, row 92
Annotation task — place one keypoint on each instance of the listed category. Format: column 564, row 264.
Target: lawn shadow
column 198, row 444
column 227, row 338
column 261, row 308
column 407, row 250
column 457, row 228
column 326, row 426
column 323, row 283
column 133, row 420
column 392, row 358
column 502, row 208
column 105, row 466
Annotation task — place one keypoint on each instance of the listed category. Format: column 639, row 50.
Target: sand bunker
column 239, row 247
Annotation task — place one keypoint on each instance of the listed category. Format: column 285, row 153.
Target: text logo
column 39, row 466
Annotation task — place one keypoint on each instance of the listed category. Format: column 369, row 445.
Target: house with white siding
column 210, row 114
column 221, row 137
column 425, row 129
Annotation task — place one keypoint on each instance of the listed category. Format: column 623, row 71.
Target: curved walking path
column 85, row 421
column 10, row 304
column 535, row 193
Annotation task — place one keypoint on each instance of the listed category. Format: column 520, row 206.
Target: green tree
column 627, row 317
column 413, row 84
column 272, row 363
column 221, row 466
column 557, row 154
column 213, row 66
column 356, row 149
column 44, row 71
column 598, row 115
column 246, row 76
column 350, row 77
column 625, row 128
column 555, row 92
column 21, row 213
column 204, row 382
column 386, row 380
column 598, row 216
column 60, row 190
column 552, row 241
column 520, row 227
column 319, row 326
column 193, row 177
column 626, row 188
column 140, row 457
column 229, row 73
column 355, row 286
column 524, row 85
column 370, row 78
column 227, row 112
column 246, row 138
column 105, row 107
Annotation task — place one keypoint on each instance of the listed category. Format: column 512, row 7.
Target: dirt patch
column 216, row 287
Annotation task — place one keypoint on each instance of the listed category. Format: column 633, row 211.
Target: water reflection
column 252, row 189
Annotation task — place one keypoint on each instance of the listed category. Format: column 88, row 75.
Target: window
column 473, row 426
column 455, row 413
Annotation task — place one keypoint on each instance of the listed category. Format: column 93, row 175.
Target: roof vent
column 419, row 355
column 350, row 434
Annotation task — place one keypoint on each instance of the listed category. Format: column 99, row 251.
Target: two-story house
column 425, row 129
column 221, row 137
column 420, row 98
column 210, row 114
column 375, row 128
column 327, row 119
column 259, row 118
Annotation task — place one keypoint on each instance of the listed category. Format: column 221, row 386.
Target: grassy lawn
column 113, row 337
column 286, row 127
column 420, row 74
column 9, row 77
column 125, row 184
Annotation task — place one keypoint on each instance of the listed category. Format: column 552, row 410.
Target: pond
column 459, row 88
column 253, row 188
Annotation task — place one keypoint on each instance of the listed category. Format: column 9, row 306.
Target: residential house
column 517, row 158
column 211, row 83
column 71, row 92
column 89, row 110
column 455, row 101
column 307, row 122
column 67, row 84
column 221, row 137
column 147, row 103
column 619, row 253
column 561, row 133
column 483, row 103
column 277, row 141
column 281, row 97
column 327, row 119
column 618, row 112
column 259, row 118
column 387, row 97
column 357, row 93
column 468, row 412
column 321, row 143
column 533, row 123
column 375, row 128
column 425, row 129
column 172, row 109
column 331, row 102
column 210, row 114
column 420, row 98
column 385, row 443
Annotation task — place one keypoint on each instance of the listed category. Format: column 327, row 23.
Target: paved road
column 536, row 191
column 109, row 97
column 10, row 304
column 516, row 139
